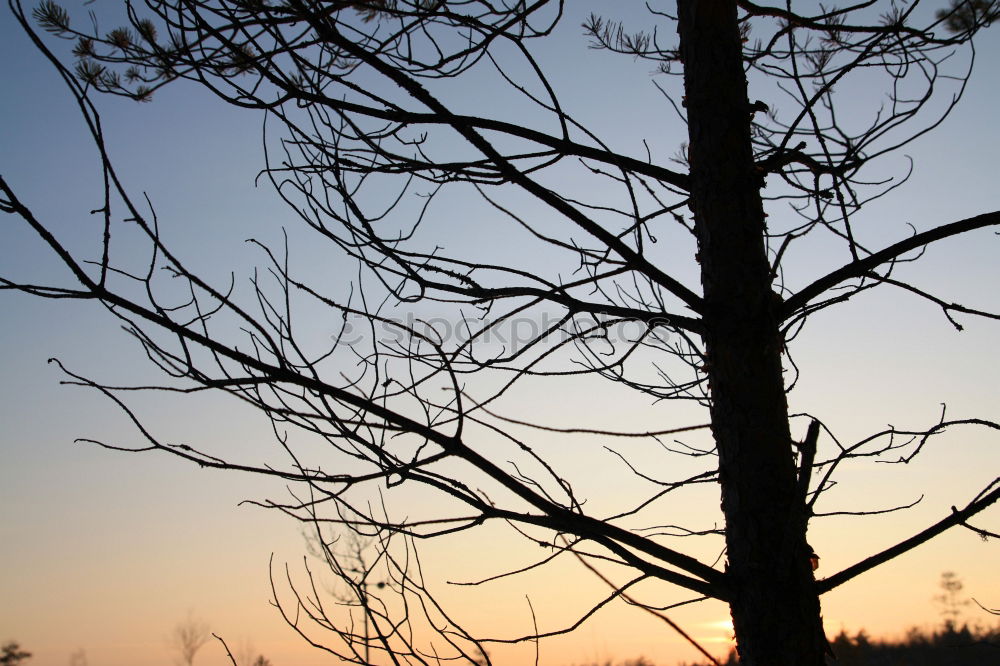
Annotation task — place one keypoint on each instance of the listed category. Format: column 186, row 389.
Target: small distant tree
column 12, row 654
column 245, row 653
column 951, row 599
column 78, row 658
column 364, row 566
column 188, row 637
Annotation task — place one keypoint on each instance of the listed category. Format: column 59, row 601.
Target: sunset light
column 499, row 333
column 722, row 632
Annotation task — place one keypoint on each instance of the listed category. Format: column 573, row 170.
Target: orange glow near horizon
column 723, row 632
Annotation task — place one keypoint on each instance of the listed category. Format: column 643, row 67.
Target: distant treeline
column 949, row 646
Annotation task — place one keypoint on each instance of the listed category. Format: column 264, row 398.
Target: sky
column 106, row 551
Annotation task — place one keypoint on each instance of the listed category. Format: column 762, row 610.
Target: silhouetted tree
column 189, row 636
column 248, row 656
column 11, row 654
column 964, row 15
column 370, row 101
column 951, row 599
column 948, row 647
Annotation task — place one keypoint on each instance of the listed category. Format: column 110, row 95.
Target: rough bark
column 774, row 603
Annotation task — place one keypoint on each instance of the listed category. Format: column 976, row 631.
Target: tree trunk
column 774, row 603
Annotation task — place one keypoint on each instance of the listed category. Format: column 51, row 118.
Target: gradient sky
column 106, row 551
